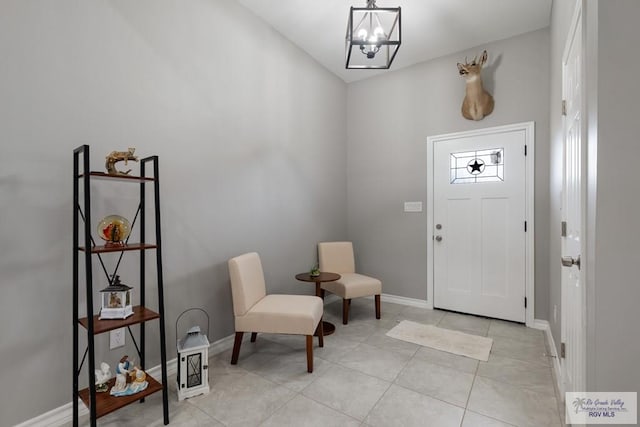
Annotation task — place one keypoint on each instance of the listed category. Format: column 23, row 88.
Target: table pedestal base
column 327, row 328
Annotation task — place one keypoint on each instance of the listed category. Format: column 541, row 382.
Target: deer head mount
column 477, row 101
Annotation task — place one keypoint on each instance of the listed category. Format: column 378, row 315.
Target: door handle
column 438, row 238
column 568, row 261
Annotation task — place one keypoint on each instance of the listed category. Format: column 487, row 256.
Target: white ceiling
column 430, row 28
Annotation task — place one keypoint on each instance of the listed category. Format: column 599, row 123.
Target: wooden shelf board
column 140, row 314
column 128, row 247
column 105, row 403
column 126, row 178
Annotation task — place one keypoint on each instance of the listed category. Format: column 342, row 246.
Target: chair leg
column 346, row 303
column 254, row 335
column 320, row 333
column 310, row 353
column 236, row 348
column 377, row 306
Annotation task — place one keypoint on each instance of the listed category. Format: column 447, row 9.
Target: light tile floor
column 364, row 378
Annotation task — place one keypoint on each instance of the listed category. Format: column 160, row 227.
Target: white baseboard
column 64, row 414
column 56, row 417
column 411, row 302
column 544, row 326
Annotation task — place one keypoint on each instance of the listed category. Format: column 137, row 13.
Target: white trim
column 397, row 299
column 411, row 302
column 223, row 344
column 56, row 417
column 544, row 326
column 64, row 414
column 529, row 129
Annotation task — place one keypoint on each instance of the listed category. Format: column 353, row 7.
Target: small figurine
column 119, row 156
column 122, row 372
column 103, row 375
column 129, row 379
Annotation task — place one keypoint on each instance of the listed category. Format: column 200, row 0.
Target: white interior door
column 479, row 214
column 573, row 299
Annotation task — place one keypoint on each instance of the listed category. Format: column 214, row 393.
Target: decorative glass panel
column 194, row 370
column 471, row 167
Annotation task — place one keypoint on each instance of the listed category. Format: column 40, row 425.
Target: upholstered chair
column 337, row 257
column 255, row 311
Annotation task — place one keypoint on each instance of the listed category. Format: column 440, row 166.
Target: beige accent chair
column 255, row 311
column 337, row 257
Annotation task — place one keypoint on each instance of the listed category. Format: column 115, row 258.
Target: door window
column 472, row 167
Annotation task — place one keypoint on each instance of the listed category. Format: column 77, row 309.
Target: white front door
column 479, row 229
column 573, row 299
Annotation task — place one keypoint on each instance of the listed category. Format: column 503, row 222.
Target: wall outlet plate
column 116, row 338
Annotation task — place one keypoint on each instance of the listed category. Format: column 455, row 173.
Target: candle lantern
column 116, row 300
column 193, row 360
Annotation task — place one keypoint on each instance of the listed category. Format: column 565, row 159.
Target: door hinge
column 525, row 226
column 563, row 350
column 525, row 302
column 563, row 229
column 564, row 107
column 525, row 150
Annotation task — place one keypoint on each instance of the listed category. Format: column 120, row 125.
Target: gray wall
column 390, row 118
column 613, row 365
column 251, row 135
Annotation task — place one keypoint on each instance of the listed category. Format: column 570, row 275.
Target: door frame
column 529, row 130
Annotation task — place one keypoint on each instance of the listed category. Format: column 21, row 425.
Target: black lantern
column 373, row 36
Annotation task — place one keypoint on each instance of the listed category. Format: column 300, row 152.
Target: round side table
column 327, row 327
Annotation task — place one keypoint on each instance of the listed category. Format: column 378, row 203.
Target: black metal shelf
column 100, row 404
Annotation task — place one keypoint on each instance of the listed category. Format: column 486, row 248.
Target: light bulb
column 379, row 32
column 362, row 34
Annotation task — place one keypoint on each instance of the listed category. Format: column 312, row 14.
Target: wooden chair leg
column 236, row 348
column 254, row 335
column 310, row 353
column 320, row 333
column 377, row 306
column 346, row 303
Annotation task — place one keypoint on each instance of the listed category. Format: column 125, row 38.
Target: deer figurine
column 477, row 101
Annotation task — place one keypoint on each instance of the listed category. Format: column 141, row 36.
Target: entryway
column 480, row 213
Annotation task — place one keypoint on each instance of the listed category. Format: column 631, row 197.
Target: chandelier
column 373, row 36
